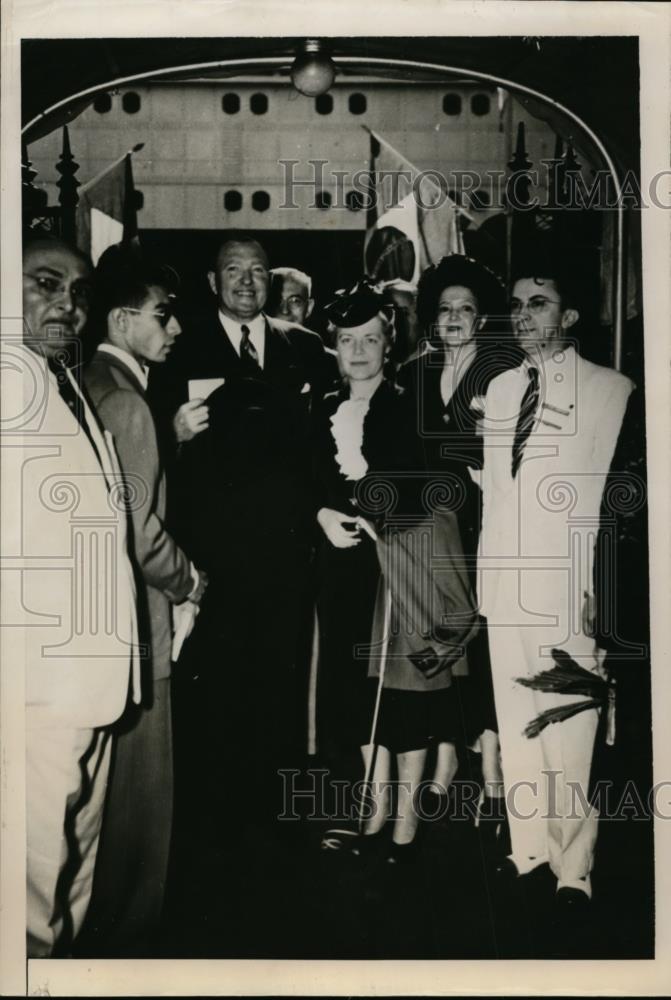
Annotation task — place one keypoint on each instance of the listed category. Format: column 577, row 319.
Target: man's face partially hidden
column 294, row 302
column 56, row 294
column 241, row 280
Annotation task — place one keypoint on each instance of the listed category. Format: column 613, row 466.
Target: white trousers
column 546, row 777
column 66, row 777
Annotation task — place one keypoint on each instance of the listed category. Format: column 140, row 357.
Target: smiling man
column 551, row 425
column 140, row 330
column 244, row 478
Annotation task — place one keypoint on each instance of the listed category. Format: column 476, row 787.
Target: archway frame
column 368, row 66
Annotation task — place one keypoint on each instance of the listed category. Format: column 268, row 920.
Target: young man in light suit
column 140, row 330
column 74, row 598
column 550, row 430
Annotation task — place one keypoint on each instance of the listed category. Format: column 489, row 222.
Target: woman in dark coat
column 373, row 498
column 461, row 306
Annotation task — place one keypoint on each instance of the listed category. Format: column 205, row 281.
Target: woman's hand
column 429, row 661
column 334, row 525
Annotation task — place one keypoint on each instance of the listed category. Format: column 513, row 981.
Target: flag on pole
column 106, row 212
column 412, row 222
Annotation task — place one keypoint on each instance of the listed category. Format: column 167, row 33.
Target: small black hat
column 357, row 305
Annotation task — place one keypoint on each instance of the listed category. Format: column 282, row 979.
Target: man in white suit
column 550, row 430
column 76, row 597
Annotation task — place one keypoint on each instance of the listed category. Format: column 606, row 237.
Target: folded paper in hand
column 201, row 388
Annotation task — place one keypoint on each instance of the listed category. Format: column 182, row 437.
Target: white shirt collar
column 257, row 333
column 140, row 372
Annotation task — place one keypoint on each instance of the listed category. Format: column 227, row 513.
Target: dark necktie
column 73, row 400
column 525, row 419
column 248, row 353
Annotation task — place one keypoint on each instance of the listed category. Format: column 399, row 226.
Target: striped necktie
column 248, row 353
column 74, row 399
column 525, row 419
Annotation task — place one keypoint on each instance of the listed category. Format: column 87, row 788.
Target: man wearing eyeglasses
column 290, row 295
column 74, row 598
column 140, row 330
column 550, row 431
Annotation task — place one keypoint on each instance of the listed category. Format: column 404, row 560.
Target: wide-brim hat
column 457, row 269
column 359, row 304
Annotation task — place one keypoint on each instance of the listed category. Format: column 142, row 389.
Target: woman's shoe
column 403, row 854
column 338, row 841
column 492, row 824
column 369, row 845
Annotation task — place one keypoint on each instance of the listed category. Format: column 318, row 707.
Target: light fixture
column 313, row 71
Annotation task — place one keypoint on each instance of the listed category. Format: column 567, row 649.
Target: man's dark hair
column 547, row 268
column 235, row 236
column 123, row 277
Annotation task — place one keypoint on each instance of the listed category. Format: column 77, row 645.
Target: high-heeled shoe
column 369, row 845
column 402, row 854
column 492, row 824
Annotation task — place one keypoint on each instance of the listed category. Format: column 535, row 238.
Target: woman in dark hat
column 369, row 471
column 461, row 307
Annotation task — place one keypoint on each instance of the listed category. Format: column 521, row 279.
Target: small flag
column 106, row 213
column 412, row 222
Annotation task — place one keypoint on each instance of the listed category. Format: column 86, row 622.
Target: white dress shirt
column 257, row 333
column 140, row 371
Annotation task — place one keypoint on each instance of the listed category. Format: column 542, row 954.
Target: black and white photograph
column 335, row 470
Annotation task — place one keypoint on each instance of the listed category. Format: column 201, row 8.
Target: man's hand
column 334, row 523
column 196, row 594
column 190, row 419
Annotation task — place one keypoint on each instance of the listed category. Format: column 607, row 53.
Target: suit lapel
column 277, row 350
column 117, row 364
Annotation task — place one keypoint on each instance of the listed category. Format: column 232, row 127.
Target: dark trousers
column 131, row 866
column 245, row 656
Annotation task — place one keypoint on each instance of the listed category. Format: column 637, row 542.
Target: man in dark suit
column 247, row 516
column 140, row 330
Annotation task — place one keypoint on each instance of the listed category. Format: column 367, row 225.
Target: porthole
column 131, row 102
column 452, row 104
column 102, row 104
column 357, row 104
column 230, row 104
column 260, row 201
column 258, row 104
column 324, row 104
column 480, row 104
column 232, row 201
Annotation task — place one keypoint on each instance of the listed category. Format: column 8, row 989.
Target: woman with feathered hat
column 382, row 610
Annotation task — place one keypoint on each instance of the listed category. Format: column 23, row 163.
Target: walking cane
column 370, row 767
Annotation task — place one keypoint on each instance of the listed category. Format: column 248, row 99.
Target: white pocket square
column 306, row 388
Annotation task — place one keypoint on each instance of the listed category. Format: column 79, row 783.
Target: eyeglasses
column 163, row 314
column 536, row 304
column 293, row 300
column 52, row 288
